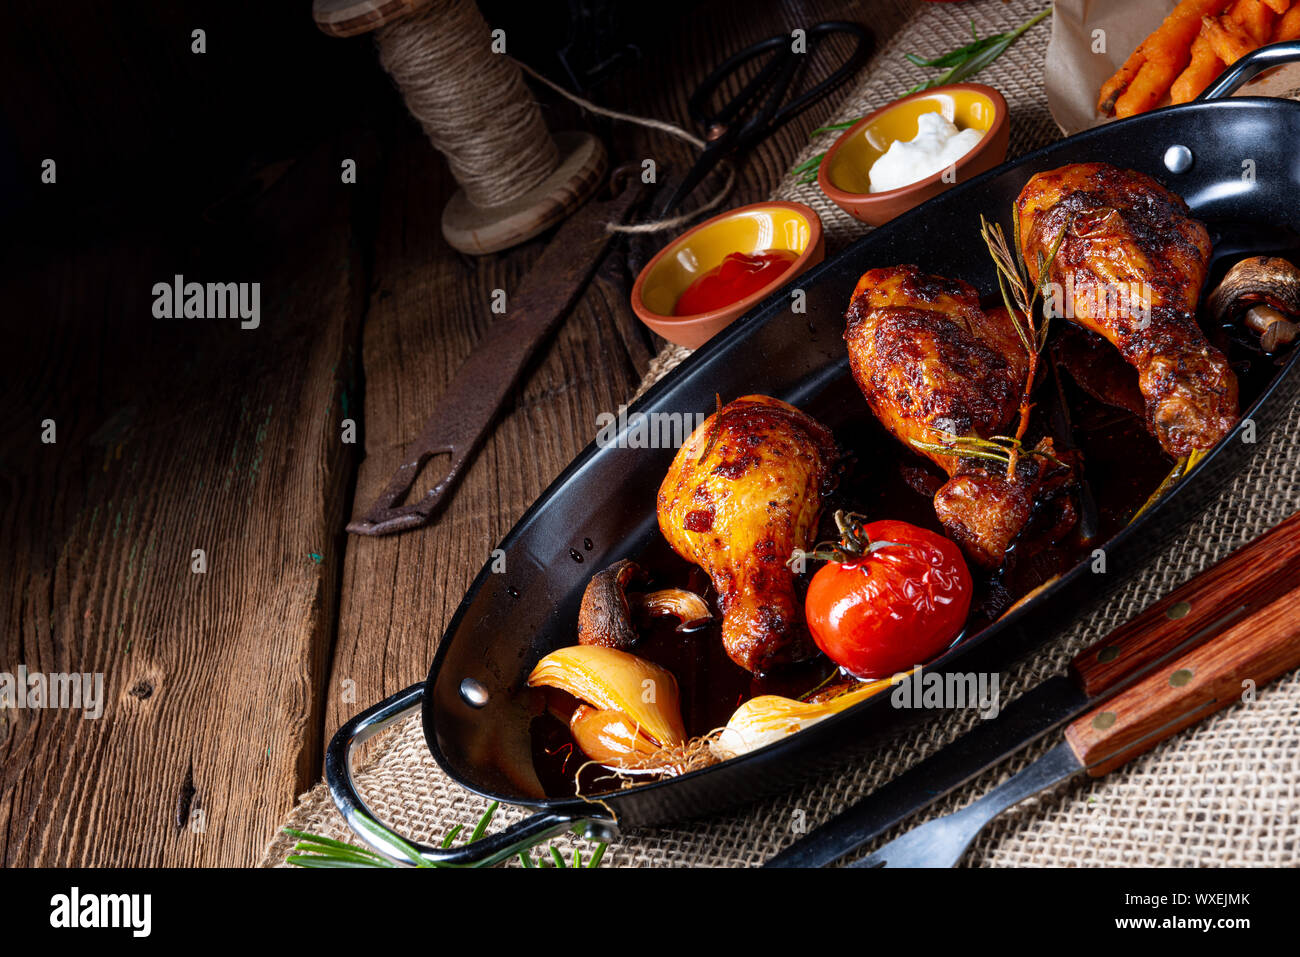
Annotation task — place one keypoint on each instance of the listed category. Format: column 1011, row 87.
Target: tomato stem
column 854, row 542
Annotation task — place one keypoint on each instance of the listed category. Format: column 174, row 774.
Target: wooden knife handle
column 1193, row 686
column 1225, row 593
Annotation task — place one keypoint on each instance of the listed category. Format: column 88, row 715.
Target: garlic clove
column 613, row 680
column 769, row 718
column 690, row 610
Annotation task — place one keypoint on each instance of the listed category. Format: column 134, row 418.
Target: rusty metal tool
column 476, row 392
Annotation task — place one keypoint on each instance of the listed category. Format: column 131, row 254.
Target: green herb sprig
column 325, row 852
column 958, row 65
column 965, row 62
column 1020, row 296
column 996, row 448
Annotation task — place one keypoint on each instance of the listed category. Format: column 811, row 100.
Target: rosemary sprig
column 966, row 61
column 1020, row 295
column 715, row 430
column 958, row 56
column 325, row 852
column 958, row 65
column 996, row 448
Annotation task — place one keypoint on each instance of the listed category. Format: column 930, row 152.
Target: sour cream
column 937, row 145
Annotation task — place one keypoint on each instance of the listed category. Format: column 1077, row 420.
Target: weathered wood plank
column 171, row 437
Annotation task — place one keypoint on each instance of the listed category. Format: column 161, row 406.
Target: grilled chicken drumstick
column 1130, row 244
column 743, row 492
column 934, row 365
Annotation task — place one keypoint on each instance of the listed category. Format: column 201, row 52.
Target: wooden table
column 223, row 685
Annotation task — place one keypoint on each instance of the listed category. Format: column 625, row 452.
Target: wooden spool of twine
column 516, row 180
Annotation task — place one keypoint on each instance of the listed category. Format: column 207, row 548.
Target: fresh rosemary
column 958, row 65
column 965, row 62
column 1020, row 295
column 996, row 448
column 327, row 852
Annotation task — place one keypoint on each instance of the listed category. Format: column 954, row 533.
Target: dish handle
column 1252, row 64
column 488, row 850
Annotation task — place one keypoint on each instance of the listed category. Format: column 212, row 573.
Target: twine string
column 477, row 111
column 472, row 103
column 672, row 129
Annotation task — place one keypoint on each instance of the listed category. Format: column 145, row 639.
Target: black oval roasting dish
column 602, row 508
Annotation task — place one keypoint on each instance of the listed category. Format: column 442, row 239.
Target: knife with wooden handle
column 1173, row 696
column 1237, row 587
column 1247, row 656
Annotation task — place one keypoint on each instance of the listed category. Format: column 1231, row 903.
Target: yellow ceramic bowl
column 844, row 173
column 749, row 229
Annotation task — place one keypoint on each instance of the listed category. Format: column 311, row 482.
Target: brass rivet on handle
column 1180, row 610
column 1108, row 654
column 1104, row 720
column 1180, row 677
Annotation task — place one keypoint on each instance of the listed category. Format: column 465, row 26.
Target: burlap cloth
column 1226, row 792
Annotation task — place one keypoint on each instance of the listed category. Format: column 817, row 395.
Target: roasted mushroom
column 1263, row 293
column 605, row 617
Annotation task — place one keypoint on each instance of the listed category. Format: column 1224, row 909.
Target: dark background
column 140, row 125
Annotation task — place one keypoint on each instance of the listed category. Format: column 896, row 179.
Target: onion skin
column 688, row 608
column 769, row 718
column 614, row 680
column 610, row 738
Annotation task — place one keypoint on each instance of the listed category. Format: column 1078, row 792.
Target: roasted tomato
column 891, row 596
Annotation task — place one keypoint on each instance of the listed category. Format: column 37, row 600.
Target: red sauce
column 740, row 275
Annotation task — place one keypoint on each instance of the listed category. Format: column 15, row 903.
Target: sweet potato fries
column 1196, row 42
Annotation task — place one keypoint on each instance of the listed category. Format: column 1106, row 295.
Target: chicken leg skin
column 743, row 492
column 1130, row 268
column 933, row 365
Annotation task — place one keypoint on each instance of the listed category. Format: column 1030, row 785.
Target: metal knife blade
column 1024, row 721
column 1037, row 712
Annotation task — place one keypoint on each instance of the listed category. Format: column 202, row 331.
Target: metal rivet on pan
column 598, row 830
column 1104, row 720
column 1180, row 610
column 1178, row 159
column 473, row 693
column 1108, row 654
column 1180, row 677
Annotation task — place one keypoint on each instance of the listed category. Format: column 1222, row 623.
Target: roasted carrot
column 1228, row 38
column 1205, row 66
column 1288, row 28
column 1278, row 6
column 1143, row 79
column 1118, row 83
column 1255, row 18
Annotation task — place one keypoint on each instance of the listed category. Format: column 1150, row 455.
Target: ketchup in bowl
column 739, row 275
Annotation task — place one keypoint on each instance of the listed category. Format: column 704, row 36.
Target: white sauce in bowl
column 937, row 145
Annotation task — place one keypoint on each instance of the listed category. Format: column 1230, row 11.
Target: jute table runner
column 1224, row 793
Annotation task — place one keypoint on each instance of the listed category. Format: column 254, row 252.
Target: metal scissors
column 757, row 110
